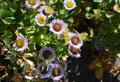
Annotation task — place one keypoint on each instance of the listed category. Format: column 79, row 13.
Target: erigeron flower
column 44, row 71
column 74, row 52
column 40, row 19
column 75, row 40
column 62, row 63
column 57, row 72
column 109, row 14
column 69, row 4
column 57, row 26
column 117, row 8
column 32, row 3
column 47, row 53
column 48, row 11
column 21, row 43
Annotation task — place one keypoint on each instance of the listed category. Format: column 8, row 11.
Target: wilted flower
column 117, row 8
column 57, row 72
column 21, row 43
column 62, row 63
column 28, row 65
column 44, row 70
column 32, row 3
column 75, row 40
column 73, row 51
column 46, row 11
column 69, row 4
column 57, row 26
column 47, row 53
column 40, row 19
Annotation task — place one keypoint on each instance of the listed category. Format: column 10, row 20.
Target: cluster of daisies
column 51, row 66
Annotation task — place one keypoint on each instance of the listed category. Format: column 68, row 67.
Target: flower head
column 40, row 19
column 109, row 14
column 57, row 72
column 75, row 40
column 57, row 26
column 44, row 70
column 69, row 4
column 32, row 3
column 117, row 8
column 21, row 43
column 62, row 63
column 46, row 11
column 47, row 53
column 74, row 52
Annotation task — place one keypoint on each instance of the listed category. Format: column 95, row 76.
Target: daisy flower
column 47, row 53
column 21, row 43
column 109, row 14
column 75, row 40
column 117, row 8
column 46, row 11
column 32, row 3
column 62, row 63
column 57, row 72
column 44, row 70
column 74, row 52
column 57, row 26
column 69, row 4
column 40, row 19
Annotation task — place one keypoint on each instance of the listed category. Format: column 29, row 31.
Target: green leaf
column 99, row 72
column 99, row 1
column 6, row 21
column 1, row 11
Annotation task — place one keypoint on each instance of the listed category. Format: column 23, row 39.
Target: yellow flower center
column 118, row 7
column 48, row 10
column 57, row 27
column 55, row 72
column 19, row 43
column 30, row 73
column 31, row 2
column 69, row 4
column 41, row 20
